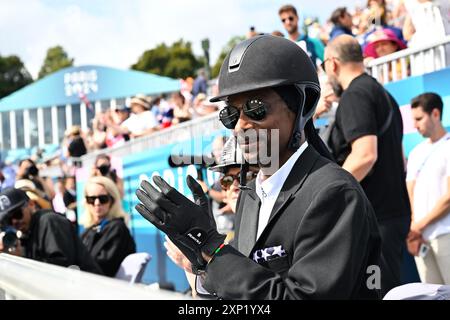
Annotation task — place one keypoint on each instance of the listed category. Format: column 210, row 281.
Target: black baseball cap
column 10, row 200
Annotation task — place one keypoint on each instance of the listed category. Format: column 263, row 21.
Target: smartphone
column 423, row 250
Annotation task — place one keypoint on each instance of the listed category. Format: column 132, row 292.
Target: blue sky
column 115, row 32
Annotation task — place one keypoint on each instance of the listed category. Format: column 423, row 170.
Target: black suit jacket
column 52, row 239
column 110, row 245
column 325, row 224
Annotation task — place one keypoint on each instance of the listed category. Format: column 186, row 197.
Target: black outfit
column 363, row 110
column 109, row 242
column 77, row 148
column 326, row 227
column 52, row 239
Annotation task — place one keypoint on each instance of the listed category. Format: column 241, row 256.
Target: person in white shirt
column 428, row 182
column 142, row 121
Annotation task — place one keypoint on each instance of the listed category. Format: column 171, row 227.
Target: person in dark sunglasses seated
column 304, row 227
column 106, row 237
column 41, row 235
column 229, row 166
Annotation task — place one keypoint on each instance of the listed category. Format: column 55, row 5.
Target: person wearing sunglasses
column 229, row 167
column 43, row 234
column 304, row 229
column 106, row 237
column 289, row 18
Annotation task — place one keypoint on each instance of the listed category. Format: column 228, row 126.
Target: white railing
column 25, row 279
column 411, row 61
column 203, row 126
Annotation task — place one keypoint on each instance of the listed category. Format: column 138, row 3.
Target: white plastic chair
column 419, row 291
column 133, row 267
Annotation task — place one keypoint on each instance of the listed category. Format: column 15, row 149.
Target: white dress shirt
column 269, row 189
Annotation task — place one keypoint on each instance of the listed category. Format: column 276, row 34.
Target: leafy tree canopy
column 55, row 60
column 13, row 75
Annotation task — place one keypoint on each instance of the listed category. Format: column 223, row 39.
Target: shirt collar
column 272, row 185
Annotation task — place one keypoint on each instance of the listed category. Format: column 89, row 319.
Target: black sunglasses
column 227, row 180
column 254, row 109
column 104, row 198
column 323, row 64
column 291, row 18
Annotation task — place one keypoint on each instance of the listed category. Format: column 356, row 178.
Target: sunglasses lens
column 102, row 199
column 226, row 181
column 229, row 116
column 255, row 110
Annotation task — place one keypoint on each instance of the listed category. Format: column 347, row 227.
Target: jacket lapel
column 249, row 223
column 293, row 183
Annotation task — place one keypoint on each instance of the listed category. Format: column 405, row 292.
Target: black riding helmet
column 273, row 62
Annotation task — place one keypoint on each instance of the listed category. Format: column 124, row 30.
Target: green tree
column 176, row 61
column 13, row 75
column 227, row 48
column 55, row 60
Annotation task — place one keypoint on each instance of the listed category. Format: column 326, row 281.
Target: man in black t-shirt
column 366, row 140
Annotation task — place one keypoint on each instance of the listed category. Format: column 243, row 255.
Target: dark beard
column 337, row 88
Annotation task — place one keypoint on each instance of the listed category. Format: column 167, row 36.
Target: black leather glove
column 188, row 225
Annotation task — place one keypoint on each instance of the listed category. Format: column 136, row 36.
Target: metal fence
column 411, row 62
column 25, row 279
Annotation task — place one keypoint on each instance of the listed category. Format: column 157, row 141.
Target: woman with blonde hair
column 106, row 236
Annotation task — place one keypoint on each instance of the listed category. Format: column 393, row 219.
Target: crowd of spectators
column 382, row 27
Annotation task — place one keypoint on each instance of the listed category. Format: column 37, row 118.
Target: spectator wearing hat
column 342, row 21
column 141, row 121
column 381, row 43
column 44, row 235
column 35, row 195
column 375, row 17
column 230, row 167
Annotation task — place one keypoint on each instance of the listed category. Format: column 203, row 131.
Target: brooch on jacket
column 269, row 253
